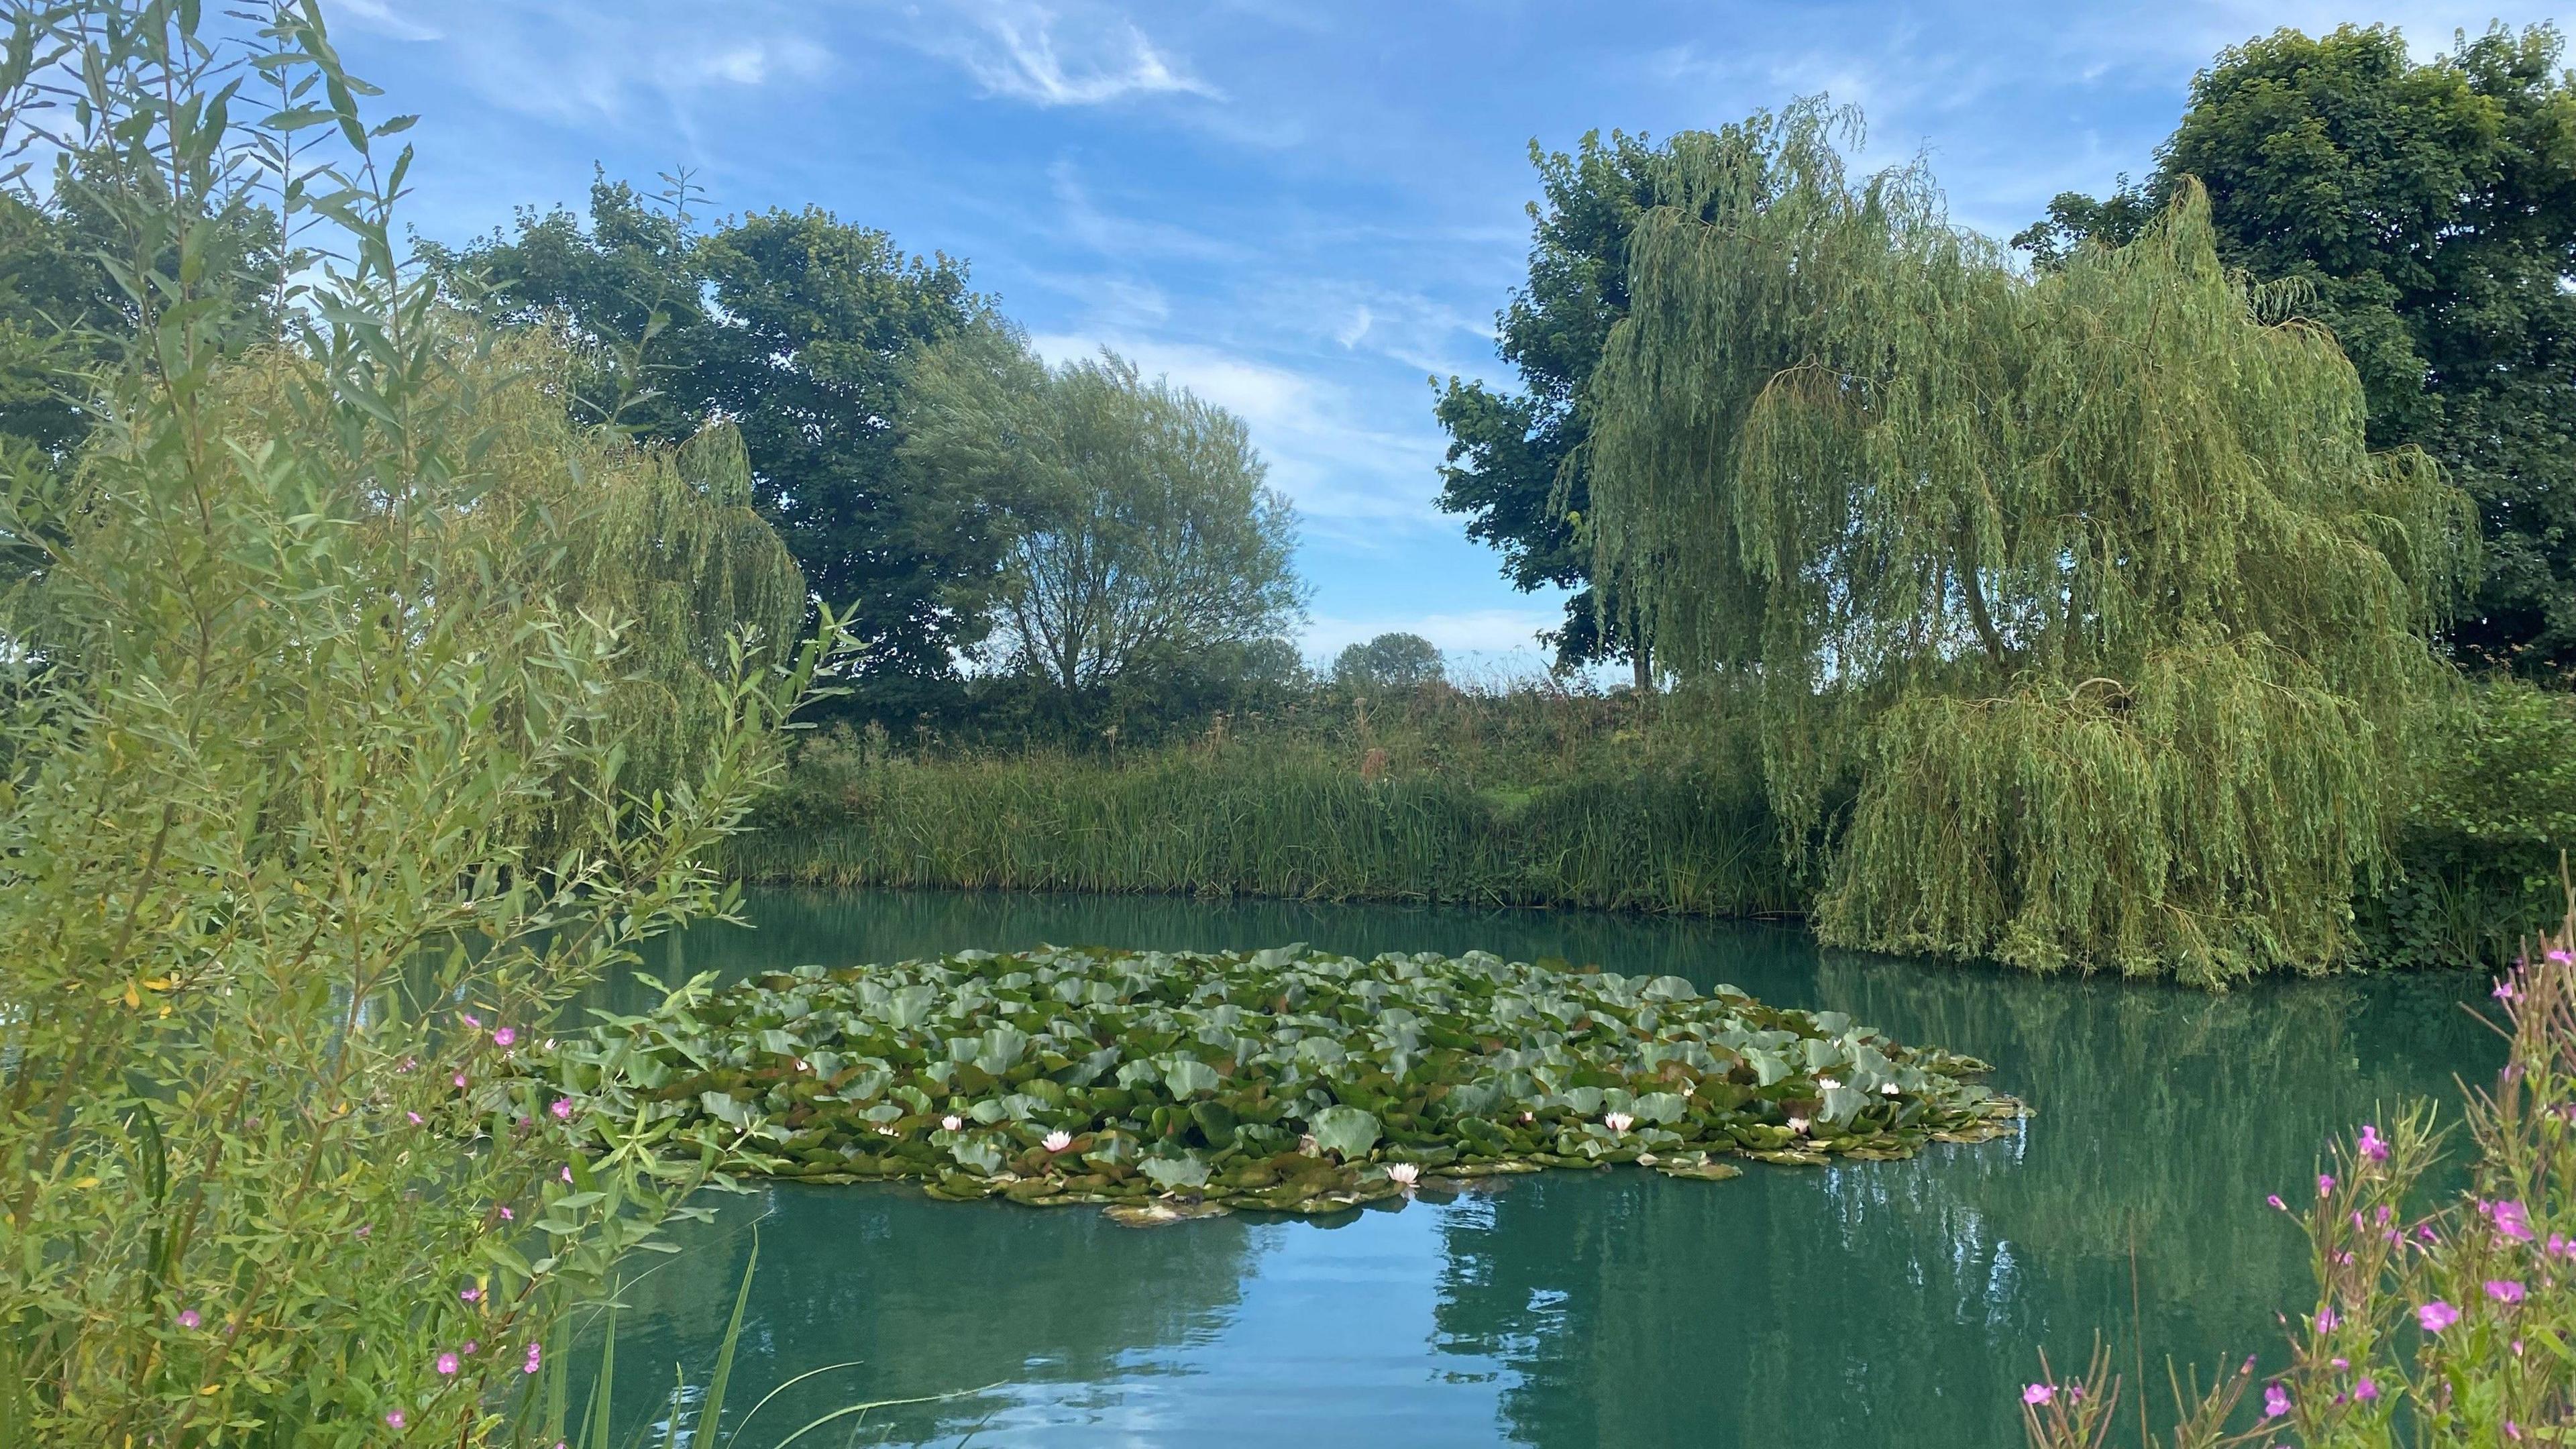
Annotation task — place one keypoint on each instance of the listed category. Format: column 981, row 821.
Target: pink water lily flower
column 2436, row 1316
column 2037, row 1394
column 2504, row 1290
column 952, row 1122
column 1403, row 1174
column 1618, row 1121
column 1058, row 1141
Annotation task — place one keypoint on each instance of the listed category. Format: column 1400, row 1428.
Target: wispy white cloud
column 575, row 63
column 1031, row 52
column 1349, row 478
column 1115, row 235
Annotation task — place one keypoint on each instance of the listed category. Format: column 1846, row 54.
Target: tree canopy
column 796, row 327
column 1143, row 533
column 2429, row 210
column 1515, row 463
column 2085, row 623
column 1396, row 661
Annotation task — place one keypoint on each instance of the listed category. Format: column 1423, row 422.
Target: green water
column 1868, row 1304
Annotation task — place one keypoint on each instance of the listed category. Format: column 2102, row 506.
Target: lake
column 1862, row 1304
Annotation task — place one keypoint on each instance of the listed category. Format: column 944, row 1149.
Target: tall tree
column 2429, row 213
column 2085, row 592
column 1145, row 534
column 1515, row 463
column 796, row 327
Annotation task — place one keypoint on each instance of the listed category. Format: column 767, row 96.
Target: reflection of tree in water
column 1875, row 1301
column 1867, row 1304
column 932, row 1297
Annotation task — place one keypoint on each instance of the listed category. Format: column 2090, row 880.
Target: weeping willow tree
column 660, row 543
column 2086, row 629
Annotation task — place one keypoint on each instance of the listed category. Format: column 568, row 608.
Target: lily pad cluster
column 1287, row 1080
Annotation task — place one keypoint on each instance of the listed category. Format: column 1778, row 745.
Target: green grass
column 1286, row 817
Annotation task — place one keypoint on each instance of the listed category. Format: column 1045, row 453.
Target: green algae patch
column 1286, row 1080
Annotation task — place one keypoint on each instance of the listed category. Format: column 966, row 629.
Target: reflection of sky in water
column 1864, row 1304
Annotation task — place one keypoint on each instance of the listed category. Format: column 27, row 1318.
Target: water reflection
column 1857, row 1305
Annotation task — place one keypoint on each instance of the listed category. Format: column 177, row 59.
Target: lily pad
column 1285, row 1080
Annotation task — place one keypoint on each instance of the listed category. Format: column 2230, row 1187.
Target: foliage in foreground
column 2086, row 587
column 2452, row 1327
column 285, row 722
column 1287, row 1080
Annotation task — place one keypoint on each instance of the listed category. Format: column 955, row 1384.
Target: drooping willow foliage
column 2086, row 628
column 663, row 543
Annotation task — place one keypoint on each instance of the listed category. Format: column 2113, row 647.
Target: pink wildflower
column 2373, row 1147
column 2038, row 1393
column 188, row 1318
column 2326, row 1319
column 470, row 1295
column 2365, row 1389
column 394, row 1418
column 447, row 1364
column 535, row 1360
column 459, row 1079
column 2436, row 1316
column 2509, row 1218
column 415, row 1118
column 562, row 1109
column 2325, row 1183
column 506, row 1037
column 2504, row 1290
column 508, row 1216
column 472, row 1348
column 472, row 1020
column 2275, row 1200
column 2276, row 1400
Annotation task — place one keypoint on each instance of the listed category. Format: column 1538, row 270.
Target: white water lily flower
column 1618, row 1121
column 1529, row 1116
column 1798, row 1125
column 1887, row 1089
column 888, row 1129
column 1403, row 1174
column 1058, row 1141
column 1827, row 1084
column 952, row 1122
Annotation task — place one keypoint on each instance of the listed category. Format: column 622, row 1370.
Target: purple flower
column 505, row 1037
column 460, row 1080
column 472, row 1020
column 2364, row 1389
column 2374, row 1148
column 2275, row 1200
column 2560, row 1247
column 2504, row 990
column 394, row 1418
column 508, row 1216
column 188, row 1318
column 2561, row 958
column 447, row 1364
column 2038, row 1393
column 2504, row 1290
column 535, row 1360
column 471, row 1295
column 415, row 1118
column 472, row 1348
column 2509, row 1218
column 2276, row 1400
column 2436, row 1316
column 562, row 1109
column 2326, row 1319
column 2325, row 1184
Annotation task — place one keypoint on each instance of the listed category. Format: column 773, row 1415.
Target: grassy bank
column 1505, row 799
column 1530, row 797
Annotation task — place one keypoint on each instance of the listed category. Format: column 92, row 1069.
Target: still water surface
column 1862, row 1305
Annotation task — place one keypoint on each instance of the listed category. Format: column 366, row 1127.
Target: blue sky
column 1301, row 210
